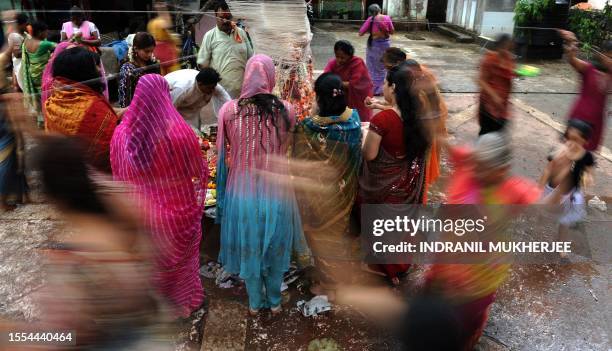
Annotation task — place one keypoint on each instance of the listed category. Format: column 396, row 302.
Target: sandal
column 253, row 313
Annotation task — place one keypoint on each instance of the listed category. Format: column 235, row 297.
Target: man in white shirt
column 192, row 91
column 226, row 48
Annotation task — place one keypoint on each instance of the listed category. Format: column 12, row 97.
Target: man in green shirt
column 226, row 48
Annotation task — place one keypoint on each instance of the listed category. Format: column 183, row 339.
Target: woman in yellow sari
column 331, row 138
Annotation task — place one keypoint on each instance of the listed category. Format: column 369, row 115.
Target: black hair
column 22, row 19
column 269, row 107
column 221, row 4
column 65, row 174
column 79, row 65
column 77, row 12
column 38, row 28
column 344, row 46
column 501, row 40
column 330, row 105
column 394, row 55
column 581, row 126
column 374, row 10
column 143, row 40
column 208, row 76
column 430, row 323
column 606, row 46
column 415, row 137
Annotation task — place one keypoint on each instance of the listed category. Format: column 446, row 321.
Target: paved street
column 541, row 307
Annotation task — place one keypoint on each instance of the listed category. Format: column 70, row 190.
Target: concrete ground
column 540, row 307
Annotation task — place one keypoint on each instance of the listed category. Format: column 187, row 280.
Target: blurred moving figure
column 35, row 52
column 80, row 31
column 76, row 107
column 495, row 81
column 596, row 83
column 140, row 61
column 481, row 177
column 433, row 114
column 355, row 77
column 395, row 151
column 332, row 137
column 97, row 278
column 259, row 216
column 156, row 151
column 380, row 27
column 192, row 90
column 166, row 48
column 226, row 48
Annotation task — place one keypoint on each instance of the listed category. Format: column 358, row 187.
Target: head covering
column 258, row 76
column 151, row 110
column 47, row 78
column 493, row 149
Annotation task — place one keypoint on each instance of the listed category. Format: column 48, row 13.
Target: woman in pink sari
column 355, row 77
column 156, row 151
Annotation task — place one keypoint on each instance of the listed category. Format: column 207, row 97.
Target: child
column 575, row 163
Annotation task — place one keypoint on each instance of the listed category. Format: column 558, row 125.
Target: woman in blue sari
column 332, row 140
column 13, row 186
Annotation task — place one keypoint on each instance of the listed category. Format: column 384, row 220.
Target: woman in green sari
column 331, row 138
column 36, row 52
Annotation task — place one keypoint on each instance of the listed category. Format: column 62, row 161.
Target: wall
column 484, row 17
column 394, row 8
column 494, row 23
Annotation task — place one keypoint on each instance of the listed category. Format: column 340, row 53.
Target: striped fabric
column 156, row 151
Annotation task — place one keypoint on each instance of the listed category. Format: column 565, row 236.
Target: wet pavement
column 540, row 307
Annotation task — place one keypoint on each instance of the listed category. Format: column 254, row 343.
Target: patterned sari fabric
column 47, row 77
column 336, row 142
column 156, row 151
column 75, row 109
column 32, row 67
column 260, row 221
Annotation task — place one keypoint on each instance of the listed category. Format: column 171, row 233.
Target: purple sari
column 374, row 54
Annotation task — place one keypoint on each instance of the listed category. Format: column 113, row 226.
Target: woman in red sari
column 355, row 77
column 394, row 152
column 76, row 106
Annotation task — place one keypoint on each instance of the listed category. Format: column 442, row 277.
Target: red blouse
column 389, row 125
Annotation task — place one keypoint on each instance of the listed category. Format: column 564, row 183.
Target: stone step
column 453, row 33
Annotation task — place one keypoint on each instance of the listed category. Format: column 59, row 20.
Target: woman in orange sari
column 77, row 106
